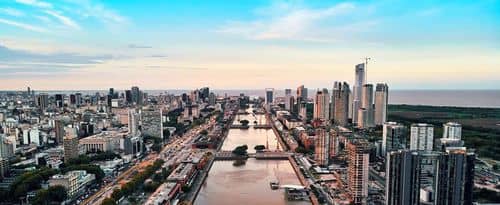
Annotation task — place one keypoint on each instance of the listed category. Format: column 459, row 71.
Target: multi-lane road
column 171, row 153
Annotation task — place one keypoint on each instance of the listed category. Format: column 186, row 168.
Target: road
column 170, row 153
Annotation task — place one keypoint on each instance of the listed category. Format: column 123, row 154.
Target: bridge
column 228, row 155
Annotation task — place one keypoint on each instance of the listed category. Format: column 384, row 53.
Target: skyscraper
column 321, row 147
column 340, row 103
column 133, row 122
column 366, row 112
column 359, row 81
column 59, row 98
column 269, row 95
column 288, row 99
column 358, row 167
column 42, row 101
column 452, row 130
column 428, row 177
column 301, row 94
column 136, row 95
column 322, row 105
column 381, row 103
column 393, row 137
column 422, row 137
column 59, row 131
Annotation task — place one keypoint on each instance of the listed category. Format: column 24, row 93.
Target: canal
column 228, row 184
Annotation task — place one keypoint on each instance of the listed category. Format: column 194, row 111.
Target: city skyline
column 74, row 45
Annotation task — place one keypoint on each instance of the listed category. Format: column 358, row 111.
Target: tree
column 52, row 194
column 244, row 122
column 240, row 150
column 259, row 147
column 204, row 132
column 301, row 149
column 108, row 201
column 166, row 134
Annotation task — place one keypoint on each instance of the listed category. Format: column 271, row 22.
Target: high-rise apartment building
column 393, row 137
column 422, row 137
column 322, row 105
column 340, row 103
column 381, row 103
column 452, row 130
column 59, row 131
column 322, row 145
column 429, row 177
column 42, row 101
column 358, row 168
column 366, row 111
column 269, row 95
column 133, row 122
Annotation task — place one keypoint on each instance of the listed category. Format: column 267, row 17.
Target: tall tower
column 381, row 103
column 358, row 167
column 366, row 112
column 422, row 137
column 359, row 81
column 393, row 137
column 340, row 103
column 321, row 147
column 427, row 177
column 70, row 144
column 322, row 105
column 301, row 94
column 269, row 95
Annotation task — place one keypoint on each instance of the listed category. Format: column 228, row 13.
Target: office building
column 452, row 130
column 42, row 101
column 75, row 182
column 421, row 137
column 59, row 98
column 321, row 147
column 359, row 81
column 133, row 122
column 322, row 105
column 136, row 95
column 393, row 137
column 381, row 103
column 357, row 170
column 301, row 94
column 71, row 146
column 151, row 122
column 340, row 103
column 269, row 95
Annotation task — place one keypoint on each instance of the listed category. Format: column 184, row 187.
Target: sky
column 247, row 44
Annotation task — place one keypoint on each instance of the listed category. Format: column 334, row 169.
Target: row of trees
column 136, row 183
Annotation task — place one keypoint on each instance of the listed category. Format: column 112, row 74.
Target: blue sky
column 89, row 44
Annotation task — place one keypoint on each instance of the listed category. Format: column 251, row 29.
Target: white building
column 452, row 130
column 422, row 137
column 359, row 81
column 74, row 181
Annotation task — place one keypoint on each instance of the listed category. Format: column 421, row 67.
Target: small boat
column 274, row 185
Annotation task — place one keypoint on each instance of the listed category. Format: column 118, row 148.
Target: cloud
column 35, row 3
column 21, row 61
column 88, row 8
column 285, row 21
column 138, row 46
column 23, row 26
column 64, row 19
column 12, row 12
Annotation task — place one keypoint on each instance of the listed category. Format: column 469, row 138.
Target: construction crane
column 365, row 60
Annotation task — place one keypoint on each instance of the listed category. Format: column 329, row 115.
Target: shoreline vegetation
column 480, row 126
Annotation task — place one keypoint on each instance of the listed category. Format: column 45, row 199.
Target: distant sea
column 459, row 98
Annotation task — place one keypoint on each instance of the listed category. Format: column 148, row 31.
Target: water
column 251, row 137
column 227, row 184
column 460, row 98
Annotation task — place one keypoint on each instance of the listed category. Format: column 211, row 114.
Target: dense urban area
column 344, row 145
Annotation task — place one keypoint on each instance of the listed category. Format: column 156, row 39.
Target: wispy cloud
column 285, row 21
column 35, row 3
column 12, row 12
column 138, row 46
column 23, row 26
column 88, row 8
column 63, row 19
